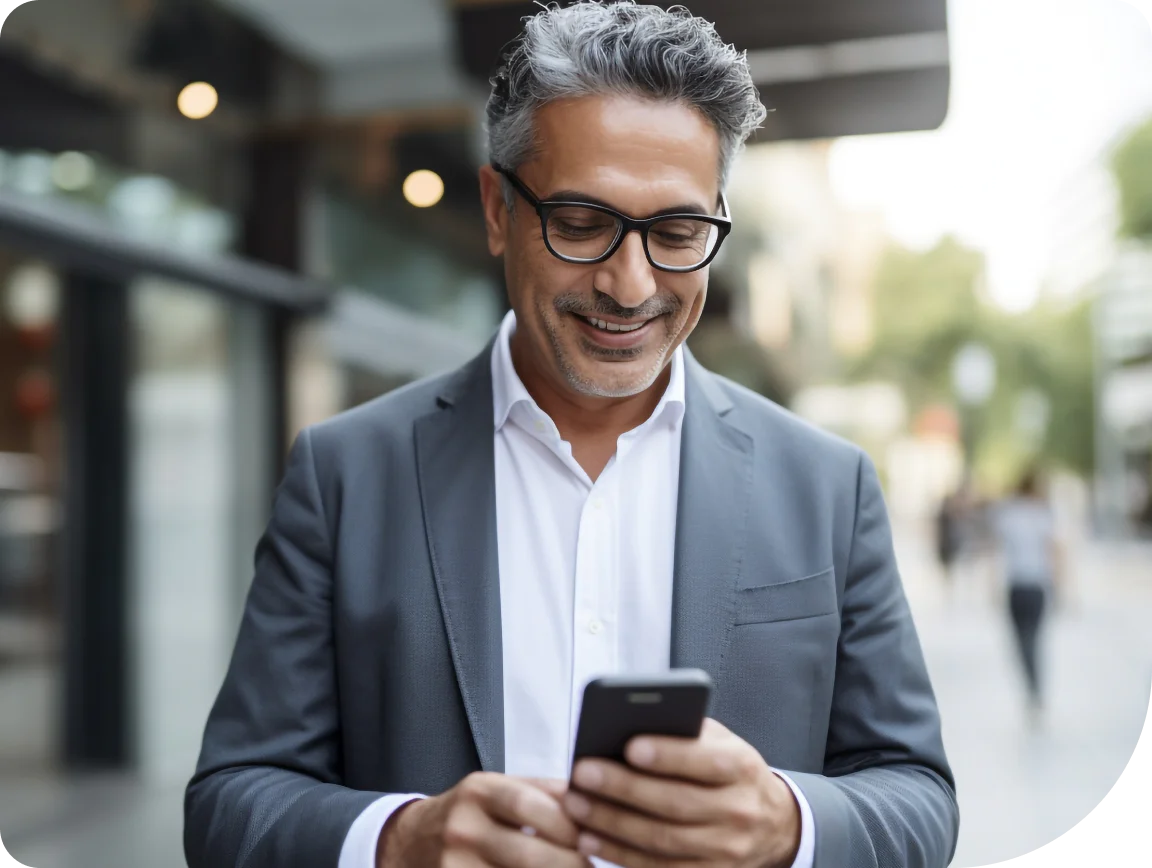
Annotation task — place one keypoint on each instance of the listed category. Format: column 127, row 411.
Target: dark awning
column 828, row 67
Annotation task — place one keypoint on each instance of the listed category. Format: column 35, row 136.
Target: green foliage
column 1060, row 342
column 928, row 307
column 1132, row 169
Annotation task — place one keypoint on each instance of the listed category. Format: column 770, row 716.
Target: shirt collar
column 508, row 389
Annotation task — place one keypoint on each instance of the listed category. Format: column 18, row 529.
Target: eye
column 578, row 224
column 574, row 229
column 681, row 233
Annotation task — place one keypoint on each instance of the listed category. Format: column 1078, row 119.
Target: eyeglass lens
column 585, row 234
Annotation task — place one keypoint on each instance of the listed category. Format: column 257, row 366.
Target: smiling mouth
column 613, row 327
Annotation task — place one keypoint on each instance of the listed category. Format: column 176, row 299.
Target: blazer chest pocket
column 788, row 601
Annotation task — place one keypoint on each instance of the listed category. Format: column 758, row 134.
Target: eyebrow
column 584, row 198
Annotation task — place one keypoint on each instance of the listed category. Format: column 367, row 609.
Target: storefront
column 154, row 368
column 1123, row 325
column 140, row 430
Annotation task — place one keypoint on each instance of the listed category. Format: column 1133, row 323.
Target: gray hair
column 593, row 48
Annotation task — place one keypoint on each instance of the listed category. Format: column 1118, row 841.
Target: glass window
column 370, row 253
column 31, row 470
column 200, row 441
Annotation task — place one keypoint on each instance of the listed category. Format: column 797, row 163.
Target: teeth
column 614, row 327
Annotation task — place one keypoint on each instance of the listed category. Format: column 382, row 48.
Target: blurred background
column 223, row 220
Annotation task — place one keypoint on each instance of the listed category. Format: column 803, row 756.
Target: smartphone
column 619, row 707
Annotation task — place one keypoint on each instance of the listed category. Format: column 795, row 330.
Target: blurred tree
column 929, row 305
column 926, row 308
column 1058, row 341
column 1132, row 169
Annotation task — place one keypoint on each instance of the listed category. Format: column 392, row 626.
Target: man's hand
column 711, row 800
column 481, row 822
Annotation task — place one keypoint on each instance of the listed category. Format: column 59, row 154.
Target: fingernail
column 642, row 752
column 589, row 776
column 587, row 844
column 577, row 806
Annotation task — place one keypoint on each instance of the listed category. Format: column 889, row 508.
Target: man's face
column 640, row 158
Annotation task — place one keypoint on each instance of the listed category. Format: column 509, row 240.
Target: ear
column 496, row 216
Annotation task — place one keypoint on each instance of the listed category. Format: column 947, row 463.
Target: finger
column 473, row 838
column 462, row 859
column 519, row 804
column 716, row 758
column 628, row 857
column 511, row 848
column 663, row 798
column 641, row 832
column 552, row 786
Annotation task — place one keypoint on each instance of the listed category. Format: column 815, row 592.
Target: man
column 447, row 566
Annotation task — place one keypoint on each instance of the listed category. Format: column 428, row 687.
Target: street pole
column 973, row 382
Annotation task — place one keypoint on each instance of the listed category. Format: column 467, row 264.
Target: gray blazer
column 369, row 657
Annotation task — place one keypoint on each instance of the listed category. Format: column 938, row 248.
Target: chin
column 595, row 374
column 592, row 380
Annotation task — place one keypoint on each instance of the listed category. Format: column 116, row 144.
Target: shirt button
column 595, row 627
column 541, row 425
column 597, row 504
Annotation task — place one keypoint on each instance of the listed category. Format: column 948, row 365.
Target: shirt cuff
column 359, row 850
column 806, row 855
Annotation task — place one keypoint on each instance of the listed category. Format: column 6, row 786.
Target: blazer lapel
column 456, row 471
column 711, row 524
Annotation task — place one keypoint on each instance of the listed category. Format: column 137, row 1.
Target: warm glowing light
column 423, row 188
column 198, row 100
column 33, row 297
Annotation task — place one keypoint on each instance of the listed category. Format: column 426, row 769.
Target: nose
column 627, row 275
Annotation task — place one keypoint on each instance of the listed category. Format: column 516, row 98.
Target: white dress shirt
column 585, row 578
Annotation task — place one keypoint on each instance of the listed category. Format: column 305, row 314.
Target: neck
column 584, row 418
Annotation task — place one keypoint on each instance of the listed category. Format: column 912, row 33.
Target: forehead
column 638, row 154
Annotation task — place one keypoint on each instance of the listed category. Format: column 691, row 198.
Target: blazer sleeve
column 887, row 796
column 267, row 789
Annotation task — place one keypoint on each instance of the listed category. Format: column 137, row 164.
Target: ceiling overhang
column 372, row 56
column 829, row 67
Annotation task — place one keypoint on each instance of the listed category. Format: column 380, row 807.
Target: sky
column 1041, row 89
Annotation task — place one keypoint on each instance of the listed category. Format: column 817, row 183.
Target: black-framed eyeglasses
column 586, row 234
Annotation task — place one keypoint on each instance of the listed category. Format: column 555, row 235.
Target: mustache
column 605, row 305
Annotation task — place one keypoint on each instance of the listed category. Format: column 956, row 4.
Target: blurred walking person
column 1032, row 563
column 953, row 534
column 948, row 519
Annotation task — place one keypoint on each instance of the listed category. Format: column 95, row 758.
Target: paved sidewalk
column 1020, row 789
